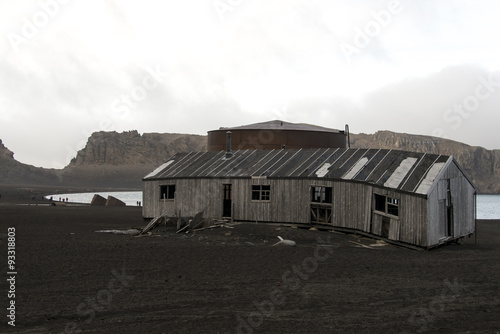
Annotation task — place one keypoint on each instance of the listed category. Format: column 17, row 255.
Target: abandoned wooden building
column 415, row 198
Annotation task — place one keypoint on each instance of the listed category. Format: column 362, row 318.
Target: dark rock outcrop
column 121, row 160
column 113, row 201
column 98, row 200
column 131, row 148
column 14, row 172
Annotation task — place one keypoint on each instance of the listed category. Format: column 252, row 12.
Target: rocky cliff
column 109, row 160
column 480, row 164
column 5, row 153
column 131, row 148
column 121, row 160
column 112, row 159
column 14, row 172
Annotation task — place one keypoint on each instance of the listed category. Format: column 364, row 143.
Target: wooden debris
column 147, row 234
column 360, row 244
column 185, row 227
column 151, row 224
column 198, row 220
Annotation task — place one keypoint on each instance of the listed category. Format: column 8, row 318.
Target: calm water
column 488, row 206
column 129, row 197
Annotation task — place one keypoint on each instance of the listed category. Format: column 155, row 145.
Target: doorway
column 226, row 201
column 386, row 227
column 449, row 211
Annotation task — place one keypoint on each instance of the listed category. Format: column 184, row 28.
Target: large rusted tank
column 277, row 135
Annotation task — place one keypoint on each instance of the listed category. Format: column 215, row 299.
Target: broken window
column 380, row 203
column 261, row 193
column 321, row 208
column 167, row 191
column 392, row 206
column 387, row 205
column 321, row 195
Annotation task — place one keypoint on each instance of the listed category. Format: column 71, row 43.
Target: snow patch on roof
column 323, row 170
column 356, row 168
column 159, row 169
column 399, row 174
column 426, row 184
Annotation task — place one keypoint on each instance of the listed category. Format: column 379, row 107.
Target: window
column 321, row 195
column 387, row 205
column 392, row 206
column 380, row 203
column 261, row 193
column 167, row 191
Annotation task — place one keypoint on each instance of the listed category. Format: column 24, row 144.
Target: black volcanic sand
column 231, row 280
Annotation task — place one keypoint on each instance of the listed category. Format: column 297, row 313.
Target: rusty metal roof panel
column 344, row 164
column 321, row 167
column 280, row 168
column 253, row 160
column 381, row 170
column 412, row 181
column 406, row 171
column 301, row 157
column 308, row 167
column 359, row 166
column 394, row 159
column 372, row 165
column 172, row 166
column 190, row 166
column 189, row 160
column 272, row 163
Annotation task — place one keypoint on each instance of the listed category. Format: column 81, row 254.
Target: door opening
column 386, row 226
column 226, row 201
column 449, row 210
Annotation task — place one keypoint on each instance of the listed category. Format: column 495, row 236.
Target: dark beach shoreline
column 15, row 194
column 230, row 279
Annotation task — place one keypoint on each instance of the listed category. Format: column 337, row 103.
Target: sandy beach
column 71, row 279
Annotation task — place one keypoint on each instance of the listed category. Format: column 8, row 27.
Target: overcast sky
column 69, row 68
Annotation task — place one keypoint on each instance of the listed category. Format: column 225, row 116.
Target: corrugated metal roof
column 280, row 125
column 406, row 171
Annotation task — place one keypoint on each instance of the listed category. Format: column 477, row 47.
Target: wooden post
column 475, row 218
column 163, row 207
column 232, row 211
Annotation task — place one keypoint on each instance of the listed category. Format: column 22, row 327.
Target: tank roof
column 281, row 125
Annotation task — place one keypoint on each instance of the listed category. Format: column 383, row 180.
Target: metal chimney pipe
column 346, row 131
column 229, row 153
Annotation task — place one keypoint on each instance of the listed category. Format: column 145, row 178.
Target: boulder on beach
column 98, row 200
column 113, row 201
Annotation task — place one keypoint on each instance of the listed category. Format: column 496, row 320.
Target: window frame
column 391, row 205
column 321, row 195
column 261, row 192
column 169, row 190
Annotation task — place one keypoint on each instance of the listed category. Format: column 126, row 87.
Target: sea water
column 128, row 197
column 488, row 206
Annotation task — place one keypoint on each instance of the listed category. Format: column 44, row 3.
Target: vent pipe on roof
column 229, row 153
column 348, row 139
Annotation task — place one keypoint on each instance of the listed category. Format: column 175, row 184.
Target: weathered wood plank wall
column 462, row 198
column 420, row 220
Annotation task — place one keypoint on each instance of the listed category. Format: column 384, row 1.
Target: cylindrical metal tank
column 277, row 135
